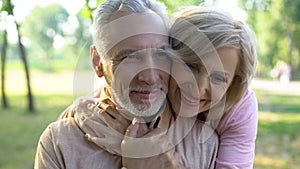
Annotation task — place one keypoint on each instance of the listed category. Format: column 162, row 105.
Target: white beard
column 145, row 109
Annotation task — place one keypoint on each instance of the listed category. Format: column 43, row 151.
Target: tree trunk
column 294, row 64
column 3, row 61
column 24, row 60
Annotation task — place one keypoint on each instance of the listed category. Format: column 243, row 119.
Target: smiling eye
column 132, row 58
column 216, row 78
column 162, row 55
column 193, row 66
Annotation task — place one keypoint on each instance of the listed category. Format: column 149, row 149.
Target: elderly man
column 131, row 52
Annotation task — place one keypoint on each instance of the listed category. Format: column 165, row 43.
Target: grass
column 278, row 139
column 277, row 145
column 20, row 130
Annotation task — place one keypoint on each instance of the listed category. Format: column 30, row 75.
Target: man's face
column 137, row 68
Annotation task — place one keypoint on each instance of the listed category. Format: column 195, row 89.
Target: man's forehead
column 123, row 17
column 124, row 26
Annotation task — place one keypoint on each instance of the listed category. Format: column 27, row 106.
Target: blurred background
column 45, row 61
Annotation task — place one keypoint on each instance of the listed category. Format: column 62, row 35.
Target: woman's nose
column 203, row 84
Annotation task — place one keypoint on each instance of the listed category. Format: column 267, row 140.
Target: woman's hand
column 101, row 122
column 142, row 148
column 112, row 117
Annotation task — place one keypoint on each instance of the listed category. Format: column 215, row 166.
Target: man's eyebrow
column 121, row 53
column 164, row 47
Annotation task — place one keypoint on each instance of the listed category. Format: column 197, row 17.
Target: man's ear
column 96, row 62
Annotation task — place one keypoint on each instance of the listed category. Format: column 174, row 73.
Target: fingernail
column 134, row 120
column 90, row 106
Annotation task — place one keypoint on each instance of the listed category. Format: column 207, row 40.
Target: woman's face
column 191, row 94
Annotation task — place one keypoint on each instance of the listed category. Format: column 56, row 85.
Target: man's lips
column 146, row 94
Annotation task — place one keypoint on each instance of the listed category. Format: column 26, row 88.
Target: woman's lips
column 193, row 102
column 189, row 100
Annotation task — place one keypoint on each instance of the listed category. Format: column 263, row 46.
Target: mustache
column 145, row 88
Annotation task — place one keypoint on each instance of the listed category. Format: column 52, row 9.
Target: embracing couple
column 176, row 93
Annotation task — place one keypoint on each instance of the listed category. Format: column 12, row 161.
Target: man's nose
column 151, row 74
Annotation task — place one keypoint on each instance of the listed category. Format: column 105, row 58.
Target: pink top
column 237, row 131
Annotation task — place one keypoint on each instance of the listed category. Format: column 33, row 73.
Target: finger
column 111, row 110
column 155, row 132
column 109, row 145
column 108, row 118
column 109, row 102
column 132, row 129
column 94, row 108
column 113, row 123
column 143, row 128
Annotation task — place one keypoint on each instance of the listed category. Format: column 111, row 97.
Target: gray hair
column 108, row 7
column 217, row 29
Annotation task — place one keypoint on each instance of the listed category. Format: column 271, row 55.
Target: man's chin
column 145, row 109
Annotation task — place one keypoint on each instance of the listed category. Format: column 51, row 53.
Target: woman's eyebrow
column 227, row 74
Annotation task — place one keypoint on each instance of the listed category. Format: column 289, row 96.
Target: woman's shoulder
column 243, row 113
column 247, row 102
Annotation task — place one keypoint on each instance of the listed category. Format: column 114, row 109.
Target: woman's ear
column 96, row 62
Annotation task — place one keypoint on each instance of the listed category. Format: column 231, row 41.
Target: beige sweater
column 67, row 144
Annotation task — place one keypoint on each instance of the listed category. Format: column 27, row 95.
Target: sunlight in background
column 23, row 8
column 231, row 7
column 73, row 6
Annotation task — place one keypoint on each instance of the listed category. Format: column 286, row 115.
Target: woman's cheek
column 217, row 93
column 174, row 95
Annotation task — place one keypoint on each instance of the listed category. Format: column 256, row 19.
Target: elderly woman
column 221, row 53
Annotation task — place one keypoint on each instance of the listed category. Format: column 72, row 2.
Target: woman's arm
column 237, row 131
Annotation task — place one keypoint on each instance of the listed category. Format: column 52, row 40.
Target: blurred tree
column 277, row 26
column 175, row 5
column 292, row 25
column 3, row 61
column 44, row 27
column 8, row 7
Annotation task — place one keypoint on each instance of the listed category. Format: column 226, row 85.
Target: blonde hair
column 199, row 30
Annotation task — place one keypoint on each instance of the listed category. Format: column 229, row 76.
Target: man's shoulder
column 66, row 127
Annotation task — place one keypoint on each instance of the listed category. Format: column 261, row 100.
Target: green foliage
column 7, row 6
column 48, row 24
column 173, row 6
column 90, row 5
column 52, row 22
column 276, row 24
